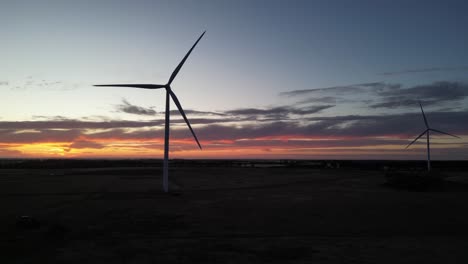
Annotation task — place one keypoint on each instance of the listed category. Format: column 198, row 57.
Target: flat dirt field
column 228, row 215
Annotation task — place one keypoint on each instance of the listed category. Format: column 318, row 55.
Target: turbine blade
column 177, row 69
column 425, row 120
column 181, row 110
column 425, row 131
column 144, row 86
column 441, row 132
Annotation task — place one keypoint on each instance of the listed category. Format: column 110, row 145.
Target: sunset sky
column 270, row 79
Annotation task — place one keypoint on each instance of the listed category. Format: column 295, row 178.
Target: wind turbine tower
column 169, row 94
column 426, row 132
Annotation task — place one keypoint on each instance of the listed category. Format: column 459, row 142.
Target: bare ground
column 228, row 215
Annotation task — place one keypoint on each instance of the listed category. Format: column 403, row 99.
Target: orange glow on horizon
column 298, row 147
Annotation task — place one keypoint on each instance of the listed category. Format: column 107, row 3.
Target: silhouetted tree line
column 317, row 164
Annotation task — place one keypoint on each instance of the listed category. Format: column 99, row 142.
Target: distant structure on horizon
column 169, row 93
column 428, row 129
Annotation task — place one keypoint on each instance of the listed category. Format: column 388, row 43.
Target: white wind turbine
column 169, row 93
column 428, row 129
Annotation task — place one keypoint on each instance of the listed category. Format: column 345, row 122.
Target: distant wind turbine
column 169, row 93
column 428, row 129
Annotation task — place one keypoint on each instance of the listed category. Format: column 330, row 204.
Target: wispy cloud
column 198, row 113
column 279, row 111
column 386, row 95
column 39, row 135
column 353, row 88
column 425, row 70
column 76, row 124
column 81, row 132
column 31, row 82
column 128, row 108
column 430, row 94
column 80, row 144
column 50, row 118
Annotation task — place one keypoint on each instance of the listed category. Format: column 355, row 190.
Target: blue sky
column 53, row 51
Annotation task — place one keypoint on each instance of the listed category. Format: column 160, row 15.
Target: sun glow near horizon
column 264, row 147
